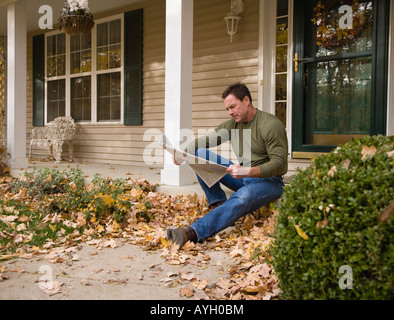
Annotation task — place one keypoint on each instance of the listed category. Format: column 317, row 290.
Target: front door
column 340, row 72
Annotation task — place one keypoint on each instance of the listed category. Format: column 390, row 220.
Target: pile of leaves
column 339, row 213
column 48, row 212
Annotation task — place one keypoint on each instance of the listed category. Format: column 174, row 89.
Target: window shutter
column 133, row 67
column 38, row 80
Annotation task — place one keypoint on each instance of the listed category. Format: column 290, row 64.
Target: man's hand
column 239, row 172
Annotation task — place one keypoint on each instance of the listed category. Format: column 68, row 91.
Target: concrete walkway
column 89, row 272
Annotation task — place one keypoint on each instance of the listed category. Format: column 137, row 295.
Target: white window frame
column 267, row 62
column 93, row 74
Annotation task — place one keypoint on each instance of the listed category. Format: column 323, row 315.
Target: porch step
column 293, row 165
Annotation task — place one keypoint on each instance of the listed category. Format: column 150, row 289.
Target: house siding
column 217, row 63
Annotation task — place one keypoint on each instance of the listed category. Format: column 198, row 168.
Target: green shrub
column 331, row 216
column 43, row 182
column 65, row 192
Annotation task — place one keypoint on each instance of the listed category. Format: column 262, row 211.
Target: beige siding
column 217, row 64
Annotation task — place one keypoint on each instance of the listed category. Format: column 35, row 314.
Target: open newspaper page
column 208, row 171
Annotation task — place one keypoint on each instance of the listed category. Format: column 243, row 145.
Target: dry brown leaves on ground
column 249, row 277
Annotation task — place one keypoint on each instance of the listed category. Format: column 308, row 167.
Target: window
column 108, row 96
column 109, row 45
column 95, row 78
column 109, row 59
column 84, row 74
column 81, row 53
column 282, row 48
column 56, row 68
column 81, row 98
column 56, row 99
column 56, row 55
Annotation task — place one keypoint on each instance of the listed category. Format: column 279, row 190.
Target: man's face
column 237, row 109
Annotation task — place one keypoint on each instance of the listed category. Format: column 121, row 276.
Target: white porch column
column 16, row 84
column 178, row 95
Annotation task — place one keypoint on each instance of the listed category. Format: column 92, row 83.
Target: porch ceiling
column 33, row 16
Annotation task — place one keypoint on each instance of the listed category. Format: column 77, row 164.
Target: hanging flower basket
column 76, row 24
column 75, row 17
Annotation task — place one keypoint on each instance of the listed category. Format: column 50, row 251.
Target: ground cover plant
column 339, row 212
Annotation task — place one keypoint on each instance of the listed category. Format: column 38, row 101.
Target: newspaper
column 208, row 171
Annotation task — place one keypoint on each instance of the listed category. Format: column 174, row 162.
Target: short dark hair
column 239, row 90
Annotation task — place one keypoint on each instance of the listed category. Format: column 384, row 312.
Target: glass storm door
column 340, row 72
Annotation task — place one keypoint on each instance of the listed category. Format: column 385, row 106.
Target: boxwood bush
column 336, row 213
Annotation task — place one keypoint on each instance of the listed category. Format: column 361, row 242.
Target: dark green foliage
column 338, row 203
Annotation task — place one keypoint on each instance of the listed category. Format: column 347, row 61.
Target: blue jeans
column 250, row 194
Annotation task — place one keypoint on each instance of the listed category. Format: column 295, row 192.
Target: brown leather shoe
column 182, row 236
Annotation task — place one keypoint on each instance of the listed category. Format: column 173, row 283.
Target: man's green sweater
column 261, row 143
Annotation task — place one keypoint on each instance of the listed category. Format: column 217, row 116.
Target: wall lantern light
column 232, row 18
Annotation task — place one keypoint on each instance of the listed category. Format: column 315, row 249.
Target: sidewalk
column 126, row 272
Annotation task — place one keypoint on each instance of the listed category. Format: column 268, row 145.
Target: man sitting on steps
column 260, row 142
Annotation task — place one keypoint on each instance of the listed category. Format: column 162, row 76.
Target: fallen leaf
column 187, row 276
column 368, row 152
column 21, row 227
column 262, row 270
column 179, row 206
column 387, row 213
column 332, row 171
column 171, row 274
column 301, row 233
column 8, row 257
column 81, row 219
column 236, row 252
column 76, row 258
column 110, row 243
column 8, row 219
column 200, row 284
column 346, row 164
column 256, row 289
column 3, row 278
column 54, row 287
column 189, row 246
column 322, row 224
column 166, row 280
column 186, row 292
